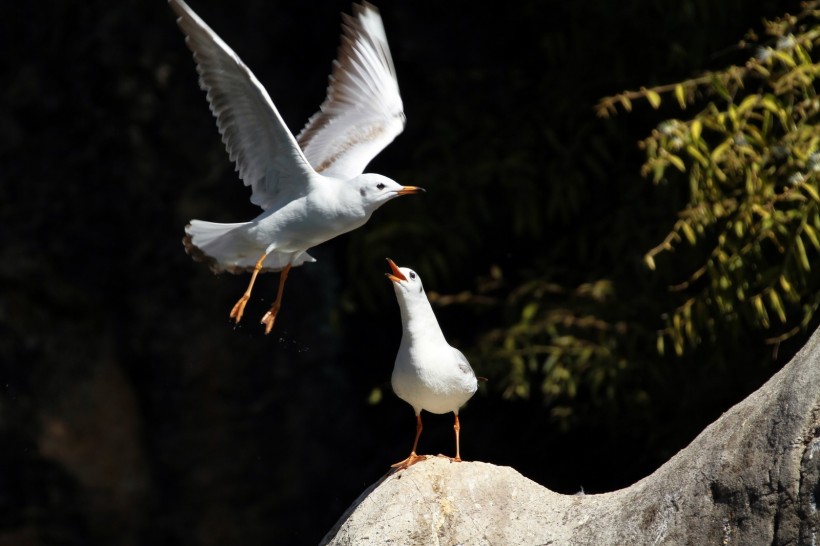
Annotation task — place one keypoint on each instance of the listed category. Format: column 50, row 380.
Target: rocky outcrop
column 752, row 477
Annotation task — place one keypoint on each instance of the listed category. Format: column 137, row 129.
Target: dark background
column 132, row 411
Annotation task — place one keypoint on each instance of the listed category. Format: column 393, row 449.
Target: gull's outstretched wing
column 363, row 111
column 267, row 156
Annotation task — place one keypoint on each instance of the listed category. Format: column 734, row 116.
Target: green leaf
column 748, row 103
column 657, row 171
column 777, row 305
column 801, row 253
column 676, row 161
column 802, row 55
column 811, row 190
column 811, row 234
column 739, row 229
column 697, row 155
column 654, row 98
column 720, row 88
column 769, row 102
column 375, row 396
column 688, row 232
column 678, row 345
column 719, row 150
column 787, row 286
column 529, row 312
column 787, row 59
column 696, row 129
column 762, row 314
column 681, row 96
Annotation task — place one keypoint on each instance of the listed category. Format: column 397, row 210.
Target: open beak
column 407, row 190
column 397, row 275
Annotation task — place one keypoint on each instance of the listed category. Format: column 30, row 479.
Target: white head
column 376, row 190
column 406, row 282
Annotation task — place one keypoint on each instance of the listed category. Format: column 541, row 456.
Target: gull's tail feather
column 216, row 245
column 227, row 247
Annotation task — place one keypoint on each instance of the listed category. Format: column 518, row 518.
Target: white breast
column 437, row 379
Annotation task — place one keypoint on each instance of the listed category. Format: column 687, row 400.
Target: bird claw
column 268, row 320
column 408, row 462
column 239, row 309
column 451, row 459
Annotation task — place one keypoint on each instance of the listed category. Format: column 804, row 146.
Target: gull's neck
column 418, row 319
column 336, row 198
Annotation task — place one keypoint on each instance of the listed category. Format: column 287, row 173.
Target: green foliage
column 559, row 345
column 750, row 159
column 552, row 205
column 537, row 219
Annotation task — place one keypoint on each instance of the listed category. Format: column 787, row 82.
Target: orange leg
column 412, row 458
column 457, row 428
column 270, row 316
column 239, row 308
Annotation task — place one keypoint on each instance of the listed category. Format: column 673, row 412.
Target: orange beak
column 397, row 275
column 408, row 190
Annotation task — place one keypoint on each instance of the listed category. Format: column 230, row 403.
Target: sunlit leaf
column 777, row 305
column 654, row 98
column 748, row 103
column 720, row 88
column 719, row 150
column 811, row 234
column 787, row 59
column 787, row 286
column 801, row 253
column 696, row 129
column 677, row 162
column 680, row 95
column 811, row 190
column 691, row 150
column 688, row 232
column 763, row 315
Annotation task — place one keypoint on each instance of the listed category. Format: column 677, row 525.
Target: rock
column 440, row 502
column 752, row 477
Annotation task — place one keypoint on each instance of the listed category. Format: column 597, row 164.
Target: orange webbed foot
column 408, row 462
column 239, row 309
column 268, row 320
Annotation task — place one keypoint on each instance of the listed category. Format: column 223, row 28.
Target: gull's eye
column 380, row 186
column 412, row 275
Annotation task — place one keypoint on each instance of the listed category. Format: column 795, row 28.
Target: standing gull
column 429, row 374
column 310, row 188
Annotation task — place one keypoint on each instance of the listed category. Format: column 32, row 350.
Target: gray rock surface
column 752, row 477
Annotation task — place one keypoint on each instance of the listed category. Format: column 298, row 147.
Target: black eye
column 412, row 275
column 380, row 186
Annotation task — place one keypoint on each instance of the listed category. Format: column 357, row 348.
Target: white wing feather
column 363, row 111
column 267, row 156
